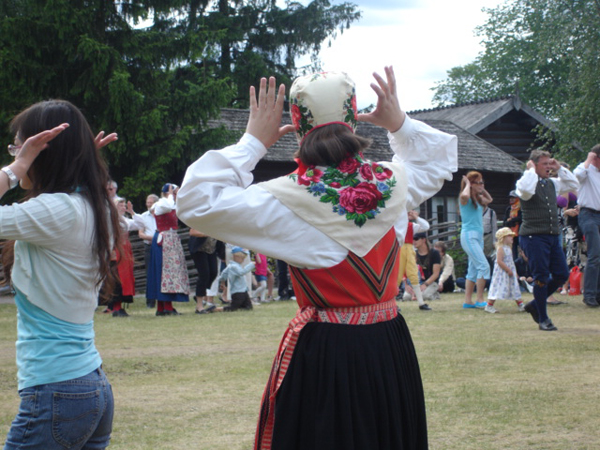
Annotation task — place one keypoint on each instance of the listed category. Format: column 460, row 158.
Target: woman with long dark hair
column 346, row 374
column 65, row 232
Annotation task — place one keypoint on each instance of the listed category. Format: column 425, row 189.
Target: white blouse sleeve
column 429, row 156
column 129, row 224
column 164, row 205
column 420, row 226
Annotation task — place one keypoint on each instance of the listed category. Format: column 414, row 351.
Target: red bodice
column 353, row 282
column 166, row 221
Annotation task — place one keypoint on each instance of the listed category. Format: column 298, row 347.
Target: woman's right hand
column 388, row 113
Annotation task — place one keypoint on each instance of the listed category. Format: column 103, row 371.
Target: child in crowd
column 234, row 275
column 505, row 281
column 260, row 273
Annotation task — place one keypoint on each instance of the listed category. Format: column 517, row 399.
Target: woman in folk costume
column 167, row 278
column 408, row 258
column 346, row 374
column 125, row 287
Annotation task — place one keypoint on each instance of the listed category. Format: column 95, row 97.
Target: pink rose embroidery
column 354, row 108
column 311, row 175
column 349, row 165
column 366, row 172
column 360, row 199
column 381, row 173
column 356, row 189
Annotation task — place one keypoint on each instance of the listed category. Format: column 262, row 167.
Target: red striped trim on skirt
column 362, row 315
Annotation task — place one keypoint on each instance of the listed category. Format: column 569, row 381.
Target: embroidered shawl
column 354, row 204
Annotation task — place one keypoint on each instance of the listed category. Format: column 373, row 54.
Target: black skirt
column 352, row 387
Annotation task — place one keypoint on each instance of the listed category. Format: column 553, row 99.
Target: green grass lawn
column 491, row 381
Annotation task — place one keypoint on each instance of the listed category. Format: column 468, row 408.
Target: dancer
column 539, row 234
column 168, row 280
column 346, row 374
column 65, row 230
column 588, row 174
column 473, row 198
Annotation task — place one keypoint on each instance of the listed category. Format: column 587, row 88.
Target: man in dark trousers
column 588, row 174
column 539, row 235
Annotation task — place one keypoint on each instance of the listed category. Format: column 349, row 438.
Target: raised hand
column 34, row 145
column 101, row 141
column 387, row 113
column 265, row 113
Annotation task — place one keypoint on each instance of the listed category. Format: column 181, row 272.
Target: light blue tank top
column 472, row 218
column 50, row 350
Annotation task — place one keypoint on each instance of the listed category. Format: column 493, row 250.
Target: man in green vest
column 539, row 235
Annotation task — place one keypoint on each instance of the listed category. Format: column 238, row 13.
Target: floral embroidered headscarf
column 322, row 99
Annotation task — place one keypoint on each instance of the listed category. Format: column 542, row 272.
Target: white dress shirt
column 147, row 223
column 589, row 191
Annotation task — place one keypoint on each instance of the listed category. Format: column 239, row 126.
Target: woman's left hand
column 101, row 140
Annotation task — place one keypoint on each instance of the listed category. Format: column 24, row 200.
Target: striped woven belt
column 362, row 315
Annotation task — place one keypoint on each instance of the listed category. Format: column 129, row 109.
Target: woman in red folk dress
column 346, row 375
column 125, row 287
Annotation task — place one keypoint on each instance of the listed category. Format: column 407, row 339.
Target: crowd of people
column 550, row 230
column 551, row 227
column 346, row 218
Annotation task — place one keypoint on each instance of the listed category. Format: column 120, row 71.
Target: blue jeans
column 589, row 222
column 548, row 267
column 73, row 414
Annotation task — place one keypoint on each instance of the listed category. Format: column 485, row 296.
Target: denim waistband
column 592, row 210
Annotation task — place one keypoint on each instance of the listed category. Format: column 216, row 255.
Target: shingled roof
column 474, row 153
column 476, row 116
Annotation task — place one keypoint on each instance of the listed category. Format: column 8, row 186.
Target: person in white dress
column 505, row 280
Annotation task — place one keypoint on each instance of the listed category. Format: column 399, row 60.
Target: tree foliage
column 155, row 71
column 550, row 50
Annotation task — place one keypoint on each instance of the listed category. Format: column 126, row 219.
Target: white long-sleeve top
column 566, row 182
column 147, row 223
column 55, row 264
column 589, row 192
column 217, row 196
column 164, row 205
column 128, row 224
